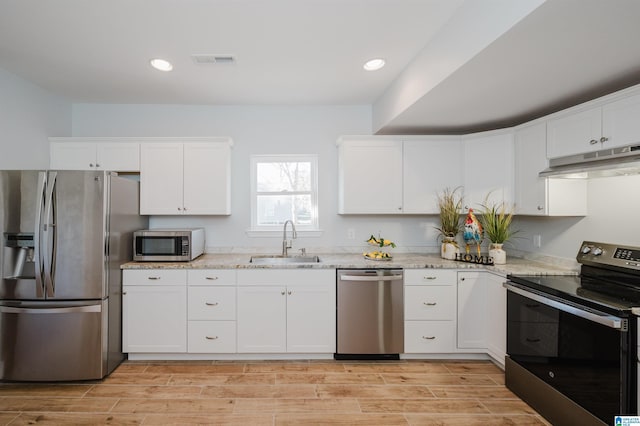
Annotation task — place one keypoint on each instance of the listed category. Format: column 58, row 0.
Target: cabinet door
column 161, row 178
column 429, row 166
column 488, row 169
column 72, row 156
column 543, row 196
column 262, row 319
column 370, row 177
column 207, row 176
column 154, row 318
column 574, row 134
column 496, row 317
column 472, row 310
column 122, row 157
column 620, row 124
column 311, row 318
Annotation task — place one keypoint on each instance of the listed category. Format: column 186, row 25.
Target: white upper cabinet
column 543, row 196
column 395, row 175
column 429, row 166
column 185, row 178
column 488, row 168
column 612, row 125
column 94, row 154
column 370, row 176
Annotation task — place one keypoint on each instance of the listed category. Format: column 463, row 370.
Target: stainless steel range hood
column 620, row 161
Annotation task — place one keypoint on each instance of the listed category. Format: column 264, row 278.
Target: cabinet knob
column 604, row 139
column 97, row 165
column 124, row 292
column 90, row 164
column 593, row 142
column 184, row 208
column 540, row 207
column 179, row 209
column 282, row 293
column 429, row 303
column 211, row 337
column 289, row 292
column 429, row 337
column 462, row 279
column 211, row 304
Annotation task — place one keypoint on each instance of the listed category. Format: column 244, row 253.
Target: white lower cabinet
column 429, row 311
column 211, row 307
column 286, row 311
column 496, row 317
column 154, row 311
column 472, row 310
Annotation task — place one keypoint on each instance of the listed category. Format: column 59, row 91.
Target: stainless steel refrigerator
column 65, row 235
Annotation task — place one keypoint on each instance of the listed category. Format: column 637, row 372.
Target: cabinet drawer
column 211, row 277
column 154, row 276
column 436, row 302
column 429, row 276
column 303, row 276
column 212, row 303
column 211, row 337
column 429, row 336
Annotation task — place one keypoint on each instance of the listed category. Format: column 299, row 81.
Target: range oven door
column 583, row 354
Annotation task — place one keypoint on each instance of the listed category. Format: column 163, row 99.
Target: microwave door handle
column 49, row 226
column 38, row 234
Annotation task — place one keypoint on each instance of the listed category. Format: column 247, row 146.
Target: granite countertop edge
column 514, row 265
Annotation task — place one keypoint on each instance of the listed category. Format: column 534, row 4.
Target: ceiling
column 311, row 52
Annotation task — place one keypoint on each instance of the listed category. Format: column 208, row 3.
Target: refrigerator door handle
column 50, row 310
column 37, row 236
column 49, row 231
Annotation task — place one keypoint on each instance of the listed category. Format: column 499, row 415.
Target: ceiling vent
column 206, row 59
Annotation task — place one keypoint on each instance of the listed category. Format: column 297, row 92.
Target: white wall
column 28, row 116
column 262, row 130
column 614, row 205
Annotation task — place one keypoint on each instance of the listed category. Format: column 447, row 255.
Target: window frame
column 313, row 229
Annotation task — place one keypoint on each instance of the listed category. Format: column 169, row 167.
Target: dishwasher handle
column 346, row 277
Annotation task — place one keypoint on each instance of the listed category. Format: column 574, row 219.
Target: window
column 284, row 187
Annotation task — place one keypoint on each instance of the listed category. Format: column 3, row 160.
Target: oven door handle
column 604, row 319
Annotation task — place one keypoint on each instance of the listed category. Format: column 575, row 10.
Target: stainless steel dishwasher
column 370, row 314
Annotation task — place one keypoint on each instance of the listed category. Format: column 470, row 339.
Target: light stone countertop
column 514, row 265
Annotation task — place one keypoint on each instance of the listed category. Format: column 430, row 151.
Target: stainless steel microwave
column 168, row 245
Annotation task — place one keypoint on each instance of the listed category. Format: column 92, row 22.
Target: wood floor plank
column 330, row 378
column 439, row 406
column 438, row 379
column 472, row 368
column 186, row 406
column 399, row 367
column 472, row 392
column 223, row 379
column 340, row 419
column 373, row 391
column 118, row 378
column 195, row 368
column 218, row 419
column 474, row 420
column 272, row 405
column 502, row 406
column 299, row 367
column 40, row 404
column 22, row 389
column 139, row 391
column 260, row 391
column 77, row 419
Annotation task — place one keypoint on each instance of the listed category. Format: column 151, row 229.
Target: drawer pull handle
column 153, row 278
column 429, row 278
column 532, row 340
column 211, row 338
column 212, row 278
column 211, row 304
column 429, row 337
column 429, row 303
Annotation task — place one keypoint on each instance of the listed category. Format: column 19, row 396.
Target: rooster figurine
column 472, row 231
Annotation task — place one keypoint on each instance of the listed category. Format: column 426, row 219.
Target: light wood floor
column 276, row 393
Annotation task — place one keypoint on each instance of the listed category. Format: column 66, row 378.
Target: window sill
column 271, row 233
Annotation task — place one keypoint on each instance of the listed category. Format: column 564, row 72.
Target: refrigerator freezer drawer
column 47, row 343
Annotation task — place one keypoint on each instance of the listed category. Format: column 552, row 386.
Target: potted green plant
column 496, row 219
column 450, row 205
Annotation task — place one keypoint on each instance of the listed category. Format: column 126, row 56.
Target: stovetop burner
column 609, row 279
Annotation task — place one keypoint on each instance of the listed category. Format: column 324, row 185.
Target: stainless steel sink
column 277, row 259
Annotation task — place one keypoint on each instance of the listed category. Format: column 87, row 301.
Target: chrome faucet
column 288, row 244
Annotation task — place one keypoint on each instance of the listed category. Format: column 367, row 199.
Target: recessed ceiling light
column 161, row 64
column 374, row 64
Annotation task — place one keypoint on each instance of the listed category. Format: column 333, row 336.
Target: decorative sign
column 474, row 258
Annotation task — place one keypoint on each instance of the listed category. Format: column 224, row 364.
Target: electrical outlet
column 351, row 234
column 537, row 240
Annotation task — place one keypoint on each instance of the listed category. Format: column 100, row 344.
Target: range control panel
column 601, row 254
